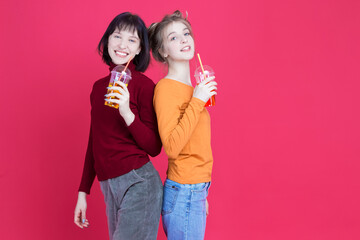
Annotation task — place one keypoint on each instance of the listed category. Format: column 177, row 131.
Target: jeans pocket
column 170, row 197
column 137, row 176
column 119, row 186
column 201, row 192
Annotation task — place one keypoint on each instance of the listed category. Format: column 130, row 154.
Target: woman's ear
column 163, row 53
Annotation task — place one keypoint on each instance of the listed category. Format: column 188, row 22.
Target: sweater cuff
column 84, row 189
column 134, row 126
column 200, row 104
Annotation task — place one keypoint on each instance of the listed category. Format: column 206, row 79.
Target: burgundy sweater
column 114, row 148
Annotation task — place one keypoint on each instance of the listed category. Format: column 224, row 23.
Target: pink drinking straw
column 127, row 64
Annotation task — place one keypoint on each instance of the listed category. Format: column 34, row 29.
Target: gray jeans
column 133, row 204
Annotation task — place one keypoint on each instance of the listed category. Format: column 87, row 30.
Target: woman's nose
column 122, row 44
column 184, row 39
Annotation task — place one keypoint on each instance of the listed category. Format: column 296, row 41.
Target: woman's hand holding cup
column 205, row 89
column 122, row 98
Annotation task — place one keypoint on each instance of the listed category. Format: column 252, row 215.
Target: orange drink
column 119, row 73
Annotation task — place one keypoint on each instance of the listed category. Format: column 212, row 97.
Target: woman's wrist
column 128, row 117
column 82, row 195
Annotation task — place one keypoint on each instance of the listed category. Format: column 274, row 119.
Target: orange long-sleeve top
column 184, row 127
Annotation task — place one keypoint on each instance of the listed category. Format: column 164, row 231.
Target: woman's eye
column 187, row 34
column 132, row 40
column 116, row 36
column 173, row 38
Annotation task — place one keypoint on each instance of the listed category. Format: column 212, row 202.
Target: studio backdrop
column 285, row 128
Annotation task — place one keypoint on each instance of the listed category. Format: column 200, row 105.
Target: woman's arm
column 87, row 180
column 89, row 173
column 175, row 128
column 141, row 121
column 144, row 127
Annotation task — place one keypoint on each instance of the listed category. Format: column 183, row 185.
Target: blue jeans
column 184, row 210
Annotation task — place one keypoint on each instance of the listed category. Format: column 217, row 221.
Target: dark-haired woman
column 121, row 139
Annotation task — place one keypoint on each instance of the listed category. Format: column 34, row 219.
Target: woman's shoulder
column 171, row 89
column 172, row 85
column 142, row 79
column 101, row 80
column 165, row 83
column 98, row 84
column 161, row 85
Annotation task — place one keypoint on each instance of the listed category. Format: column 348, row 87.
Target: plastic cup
column 200, row 76
column 117, row 74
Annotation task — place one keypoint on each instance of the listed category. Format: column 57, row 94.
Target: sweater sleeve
column 144, row 127
column 89, row 173
column 175, row 127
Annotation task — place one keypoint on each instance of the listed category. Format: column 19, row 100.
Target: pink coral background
column 285, row 130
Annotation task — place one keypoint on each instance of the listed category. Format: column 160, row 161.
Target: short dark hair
column 130, row 22
column 156, row 33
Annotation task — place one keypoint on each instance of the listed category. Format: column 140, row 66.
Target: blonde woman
column 184, row 127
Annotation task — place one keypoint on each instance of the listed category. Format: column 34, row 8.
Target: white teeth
column 121, row 53
column 185, row 49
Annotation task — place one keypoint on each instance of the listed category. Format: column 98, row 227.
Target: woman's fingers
column 117, row 100
column 83, row 216
column 124, row 86
column 208, row 80
column 206, row 89
column 86, row 223
column 114, row 94
column 212, row 83
column 212, row 88
column 207, row 83
column 80, row 219
column 77, row 219
column 121, row 85
column 118, row 90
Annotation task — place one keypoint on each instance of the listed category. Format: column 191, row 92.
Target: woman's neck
column 180, row 71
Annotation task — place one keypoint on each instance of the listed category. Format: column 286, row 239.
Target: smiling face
column 122, row 45
column 178, row 44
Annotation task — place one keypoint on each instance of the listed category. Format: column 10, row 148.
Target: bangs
column 127, row 24
column 126, row 27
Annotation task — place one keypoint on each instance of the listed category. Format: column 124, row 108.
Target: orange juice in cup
column 119, row 73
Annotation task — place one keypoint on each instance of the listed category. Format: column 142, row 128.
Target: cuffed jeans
column 184, row 210
column 133, row 204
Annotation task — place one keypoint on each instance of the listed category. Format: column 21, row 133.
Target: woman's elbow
column 171, row 153
column 155, row 151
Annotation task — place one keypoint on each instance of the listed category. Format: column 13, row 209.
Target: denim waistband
column 196, row 186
